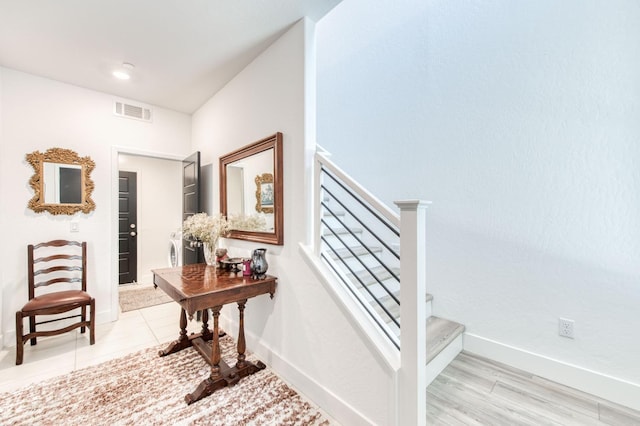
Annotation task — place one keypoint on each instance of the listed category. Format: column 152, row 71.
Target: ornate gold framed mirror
column 61, row 182
column 251, row 195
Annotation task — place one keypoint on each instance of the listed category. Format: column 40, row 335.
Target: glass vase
column 209, row 253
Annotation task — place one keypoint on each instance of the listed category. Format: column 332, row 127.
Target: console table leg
column 206, row 333
column 182, row 342
column 242, row 344
column 215, row 345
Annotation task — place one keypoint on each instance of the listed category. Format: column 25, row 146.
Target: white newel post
column 412, row 381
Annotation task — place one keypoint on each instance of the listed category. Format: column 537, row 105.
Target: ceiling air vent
column 122, row 109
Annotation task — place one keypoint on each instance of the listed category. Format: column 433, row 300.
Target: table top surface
column 209, row 285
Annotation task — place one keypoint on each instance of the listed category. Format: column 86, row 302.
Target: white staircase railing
column 369, row 247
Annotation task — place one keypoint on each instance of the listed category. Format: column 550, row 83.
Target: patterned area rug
column 133, row 296
column 145, row 389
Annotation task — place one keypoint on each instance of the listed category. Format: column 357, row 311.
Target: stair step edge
column 358, row 250
column 440, row 333
column 341, row 231
column 337, row 213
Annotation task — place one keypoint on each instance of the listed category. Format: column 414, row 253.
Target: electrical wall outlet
column 74, row 227
column 565, row 327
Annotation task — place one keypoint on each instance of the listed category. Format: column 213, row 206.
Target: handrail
column 393, row 228
column 389, row 214
column 373, row 223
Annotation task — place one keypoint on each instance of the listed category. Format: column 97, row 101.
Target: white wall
column 159, row 208
column 2, row 192
column 300, row 334
column 38, row 114
column 520, row 121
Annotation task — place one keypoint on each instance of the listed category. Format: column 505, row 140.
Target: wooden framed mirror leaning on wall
column 251, row 194
column 61, row 182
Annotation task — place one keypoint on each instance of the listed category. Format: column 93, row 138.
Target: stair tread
column 341, row 231
column 440, row 332
column 378, row 271
column 358, row 250
column 335, row 213
column 392, row 306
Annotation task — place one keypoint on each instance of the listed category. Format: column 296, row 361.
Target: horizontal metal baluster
column 348, row 285
column 360, row 281
column 333, row 197
column 366, row 206
column 384, row 265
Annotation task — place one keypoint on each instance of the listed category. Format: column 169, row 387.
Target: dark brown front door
column 127, row 228
column 191, row 203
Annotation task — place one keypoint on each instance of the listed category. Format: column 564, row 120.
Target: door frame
column 115, row 153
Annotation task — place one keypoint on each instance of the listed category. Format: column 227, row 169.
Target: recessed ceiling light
column 124, row 73
column 121, row 75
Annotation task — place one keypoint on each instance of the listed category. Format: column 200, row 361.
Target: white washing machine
column 175, row 249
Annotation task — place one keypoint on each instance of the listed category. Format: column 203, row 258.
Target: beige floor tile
column 56, row 355
column 46, row 365
column 50, row 347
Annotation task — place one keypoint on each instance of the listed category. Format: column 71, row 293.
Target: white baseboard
column 329, row 402
column 610, row 388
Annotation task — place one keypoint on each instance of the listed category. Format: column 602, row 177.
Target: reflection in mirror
column 235, row 180
column 61, row 182
column 243, row 192
column 264, row 193
column 251, row 191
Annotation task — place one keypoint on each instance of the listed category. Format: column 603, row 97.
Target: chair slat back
column 60, row 267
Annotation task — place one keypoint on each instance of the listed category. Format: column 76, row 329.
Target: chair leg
column 83, row 318
column 32, row 329
column 19, row 337
column 92, row 323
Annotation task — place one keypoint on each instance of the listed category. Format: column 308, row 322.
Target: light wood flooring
column 476, row 391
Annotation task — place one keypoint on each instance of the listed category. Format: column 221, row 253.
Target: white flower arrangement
column 206, row 229
column 252, row 222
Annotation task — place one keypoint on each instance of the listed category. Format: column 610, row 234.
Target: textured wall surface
column 520, row 121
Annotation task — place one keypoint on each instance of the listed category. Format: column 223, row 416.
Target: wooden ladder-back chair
column 60, row 264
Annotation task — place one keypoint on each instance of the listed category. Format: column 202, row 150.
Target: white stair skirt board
column 610, row 388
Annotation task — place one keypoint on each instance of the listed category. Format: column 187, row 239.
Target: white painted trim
column 604, row 386
column 386, row 354
column 443, row 359
column 146, row 153
column 412, row 376
column 309, row 388
column 115, row 152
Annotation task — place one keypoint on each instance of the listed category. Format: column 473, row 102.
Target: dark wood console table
column 197, row 288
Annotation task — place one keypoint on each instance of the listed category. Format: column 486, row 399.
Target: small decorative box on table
column 197, row 288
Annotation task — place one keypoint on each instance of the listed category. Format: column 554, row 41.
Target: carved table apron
column 199, row 287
